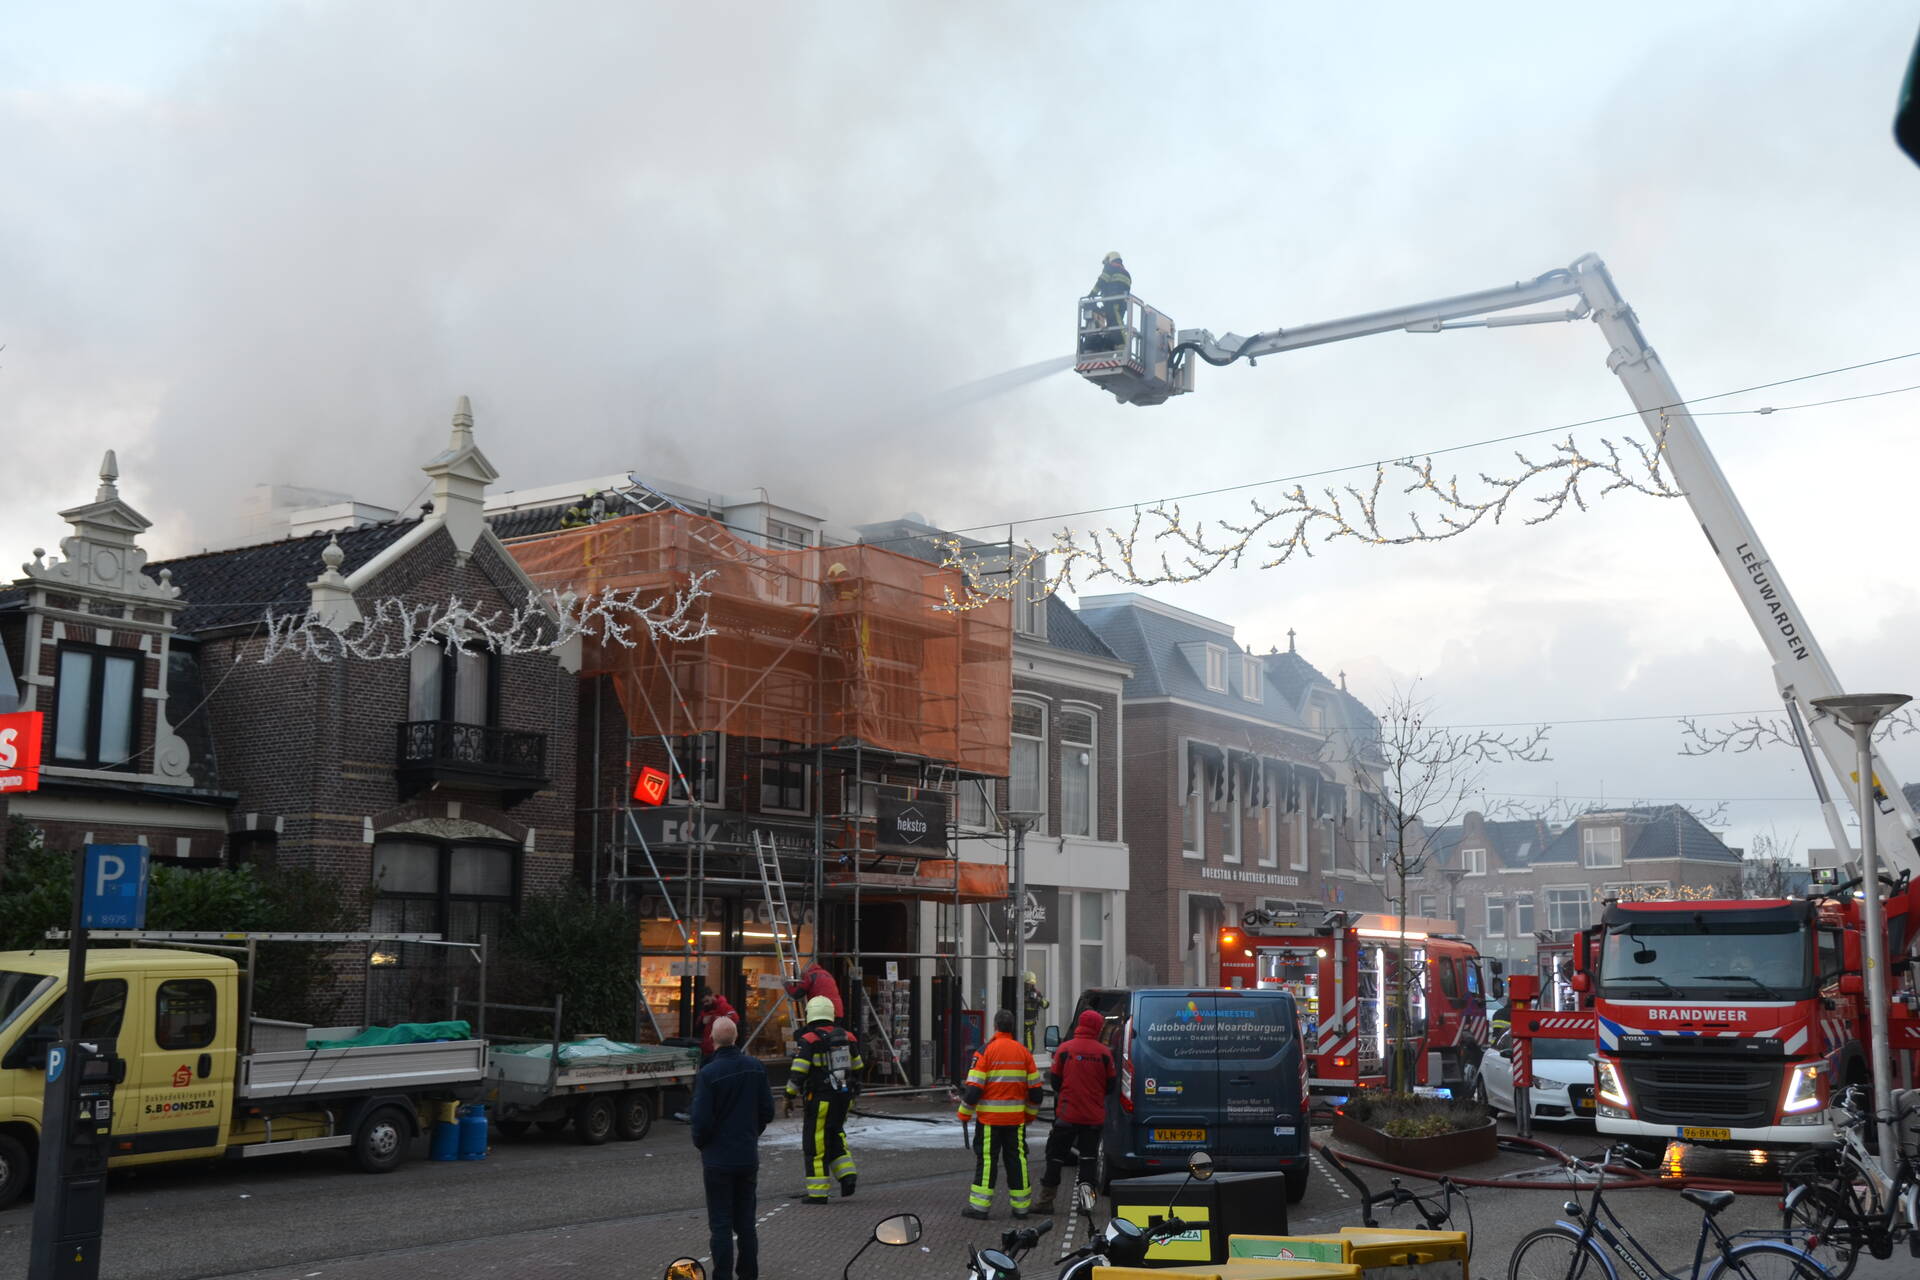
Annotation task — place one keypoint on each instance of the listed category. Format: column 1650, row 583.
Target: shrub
column 1406, row 1115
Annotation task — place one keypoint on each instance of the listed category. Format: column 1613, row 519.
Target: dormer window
column 1250, row 678
column 96, row 713
column 1216, row 669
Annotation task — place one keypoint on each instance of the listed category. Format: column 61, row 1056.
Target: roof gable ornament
column 101, row 553
column 461, row 474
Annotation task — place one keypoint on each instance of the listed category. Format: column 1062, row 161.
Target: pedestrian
column 816, row 981
column 1035, row 1002
column 1083, row 1074
column 1003, row 1093
column 732, row 1106
column 825, row 1079
column 713, row 1007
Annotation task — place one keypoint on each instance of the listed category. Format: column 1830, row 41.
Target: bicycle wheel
column 1828, row 1168
column 1822, row 1221
column 1764, row 1260
column 1555, row 1253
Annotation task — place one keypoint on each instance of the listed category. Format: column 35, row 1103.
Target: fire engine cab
column 1343, row 972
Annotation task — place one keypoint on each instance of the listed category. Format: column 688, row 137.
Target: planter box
column 1448, row 1151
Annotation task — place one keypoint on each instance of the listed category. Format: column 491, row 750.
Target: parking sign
column 116, row 896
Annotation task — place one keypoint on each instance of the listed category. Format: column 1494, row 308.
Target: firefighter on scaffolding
column 825, row 1078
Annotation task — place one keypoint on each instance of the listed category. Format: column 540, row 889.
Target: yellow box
column 1237, row 1269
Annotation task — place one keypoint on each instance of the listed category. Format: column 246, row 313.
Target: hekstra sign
column 912, row 822
column 20, row 752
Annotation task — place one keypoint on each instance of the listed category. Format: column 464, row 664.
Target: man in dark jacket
column 1082, row 1074
column 732, row 1104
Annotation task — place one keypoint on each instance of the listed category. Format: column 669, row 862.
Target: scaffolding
column 829, row 660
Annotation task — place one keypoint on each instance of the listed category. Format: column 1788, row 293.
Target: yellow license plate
column 1692, row 1134
column 1179, row 1135
column 1584, row 1104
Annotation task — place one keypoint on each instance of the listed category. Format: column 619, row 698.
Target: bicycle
column 1437, row 1213
column 1839, row 1197
column 1566, row 1251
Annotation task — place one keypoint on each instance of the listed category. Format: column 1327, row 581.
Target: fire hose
column 1629, row 1179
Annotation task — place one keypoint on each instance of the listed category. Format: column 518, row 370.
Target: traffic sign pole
column 51, row 1256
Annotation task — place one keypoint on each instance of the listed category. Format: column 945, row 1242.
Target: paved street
column 544, row 1206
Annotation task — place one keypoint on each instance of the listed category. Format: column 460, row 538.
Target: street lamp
column 1860, row 712
column 1019, row 822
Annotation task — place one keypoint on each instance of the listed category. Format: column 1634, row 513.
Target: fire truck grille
column 1736, row 1095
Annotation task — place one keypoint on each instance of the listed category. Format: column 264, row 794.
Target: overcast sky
column 739, row 244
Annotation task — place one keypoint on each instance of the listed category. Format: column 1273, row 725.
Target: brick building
column 1237, row 795
column 440, row 784
column 1511, row 880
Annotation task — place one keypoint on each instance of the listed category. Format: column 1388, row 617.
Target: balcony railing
column 511, row 761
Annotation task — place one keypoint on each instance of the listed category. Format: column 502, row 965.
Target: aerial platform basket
column 1125, row 347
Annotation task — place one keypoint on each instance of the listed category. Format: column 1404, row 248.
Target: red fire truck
column 1730, row 1021
column 1343, row 972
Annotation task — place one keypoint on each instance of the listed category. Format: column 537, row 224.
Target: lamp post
column 1019, row 822
column 1860, row 712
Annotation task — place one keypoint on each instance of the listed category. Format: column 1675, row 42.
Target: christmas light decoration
column 1758, row 732
column 1160, row 547
column 390, row 627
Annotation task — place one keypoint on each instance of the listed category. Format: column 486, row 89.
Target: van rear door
column 1254, row 1039
column 1176, row 1075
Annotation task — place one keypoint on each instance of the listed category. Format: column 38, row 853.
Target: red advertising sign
column 20, row 752
column 650, row 787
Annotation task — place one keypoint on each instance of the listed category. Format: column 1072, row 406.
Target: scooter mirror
column 1200, row 1165
column 1084, row 1197
column 901, row 1229
column 686, row 1269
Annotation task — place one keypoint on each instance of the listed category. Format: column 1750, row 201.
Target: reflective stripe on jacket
column 1004, row 1085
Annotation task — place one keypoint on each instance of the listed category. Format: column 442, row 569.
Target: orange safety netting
column 823, row 646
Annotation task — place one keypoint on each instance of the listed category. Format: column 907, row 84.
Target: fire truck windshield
column 1685, row 959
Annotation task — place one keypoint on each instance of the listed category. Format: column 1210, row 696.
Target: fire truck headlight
column 1612, row 1088
column 1805, row 1089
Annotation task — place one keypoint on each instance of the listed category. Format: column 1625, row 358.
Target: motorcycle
column 901, row 1229
column 1120, row 1244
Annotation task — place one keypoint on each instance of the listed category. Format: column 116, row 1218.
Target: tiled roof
column 236, row 587
column 1511, row 844
column 1156, row 645
column 523, row 524
column 1065, row 630
column 1657, row 831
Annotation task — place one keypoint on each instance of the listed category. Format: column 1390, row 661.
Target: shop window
column 96, row 706
column 183, row 1014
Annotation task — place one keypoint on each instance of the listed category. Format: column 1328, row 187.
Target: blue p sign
column 116, row 888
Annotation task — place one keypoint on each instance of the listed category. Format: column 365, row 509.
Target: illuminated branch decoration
column 1157, row 547
column 393, row 628
column 1631, row 813
column 1759, row 732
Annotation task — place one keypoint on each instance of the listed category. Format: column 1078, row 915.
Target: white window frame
column 1532, row 918
column 1586, row 914
column 1250, row 678
column 1193, row 806
column 1588, row 844
column 1236, row 828
column 1316, row 717
column 1270, row 855
column 1092, row 747
column 981, row 787
column 1302, row 855
column 1474, row 861
column 1429, row 904
column 1495, row 902
column 1030, row 602
column 1040, row 805
column 1216, row 673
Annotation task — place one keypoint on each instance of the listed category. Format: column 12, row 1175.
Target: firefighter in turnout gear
column 1115, row 283
column 825, row 1079
column 1003, row 1093
column 1035, row 1002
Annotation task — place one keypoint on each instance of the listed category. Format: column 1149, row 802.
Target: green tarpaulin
column 404, row 1033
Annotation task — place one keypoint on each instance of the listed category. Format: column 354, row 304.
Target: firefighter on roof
column 825, row 1078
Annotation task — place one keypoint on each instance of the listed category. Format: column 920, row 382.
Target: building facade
column 1235, row 791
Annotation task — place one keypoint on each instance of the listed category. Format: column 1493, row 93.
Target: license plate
column 1583, row 1104
column 1179, row 1135
column 1692, row 1134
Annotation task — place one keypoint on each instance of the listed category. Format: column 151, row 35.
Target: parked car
column 1218, row 1069
column 1562, row 1079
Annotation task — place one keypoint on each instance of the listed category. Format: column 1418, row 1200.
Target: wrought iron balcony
column 512, row 762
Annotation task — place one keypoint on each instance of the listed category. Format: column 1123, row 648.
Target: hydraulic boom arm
column 1800, row 670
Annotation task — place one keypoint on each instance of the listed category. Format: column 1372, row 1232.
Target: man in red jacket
column 713, row 1007
column 1082, row 1074
column 816, row 981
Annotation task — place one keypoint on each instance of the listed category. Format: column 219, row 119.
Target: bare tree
column 1766, row 871
column 1422, row 776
